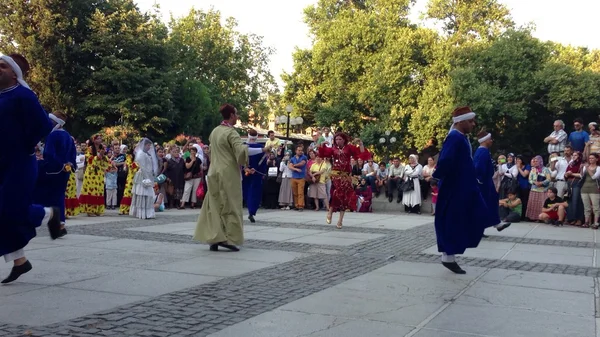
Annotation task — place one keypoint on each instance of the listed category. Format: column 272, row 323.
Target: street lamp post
column 288, row 120
column 289, row 108
column 387, row 139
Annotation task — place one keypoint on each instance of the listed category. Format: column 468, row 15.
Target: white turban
column 59, row 122
column 17, row 70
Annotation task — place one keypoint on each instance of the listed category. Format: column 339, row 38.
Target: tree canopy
column 106, row 64
column 371, row 70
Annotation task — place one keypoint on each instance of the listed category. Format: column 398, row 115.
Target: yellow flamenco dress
column 92, row 191
column 72, row 207
column 132, row 169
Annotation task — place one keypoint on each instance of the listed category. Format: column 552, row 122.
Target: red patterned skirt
column 343, row 197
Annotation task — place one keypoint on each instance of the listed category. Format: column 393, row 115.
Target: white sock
column 447, row 258
column 47, row 216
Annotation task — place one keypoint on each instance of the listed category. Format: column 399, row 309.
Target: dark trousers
column 524, row 196
column 393, row 185
column 509, row 216
column 121, row 181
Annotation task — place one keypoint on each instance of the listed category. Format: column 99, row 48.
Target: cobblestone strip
column 546, row 242
column 508, row 264
column 205, row 309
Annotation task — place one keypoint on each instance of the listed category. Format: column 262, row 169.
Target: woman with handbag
column 142, row 201
column 318, row 190
column 539, row 179
column 411, row 198
column 286, row 198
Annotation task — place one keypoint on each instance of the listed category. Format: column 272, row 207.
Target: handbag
column 273, row 171
column 509, row 184
column 408, row 185
column 147, row 183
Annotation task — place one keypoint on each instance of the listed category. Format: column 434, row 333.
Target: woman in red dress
column 343, row 197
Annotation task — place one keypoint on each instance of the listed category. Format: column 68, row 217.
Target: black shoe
column 17, row 271
column 503, row 226
column 391, row 199
column 230, row 247
column 63, row 232
column 251, row 218
column 454, row 267
column 54, row 223
column 398, row 201
column 214, row 248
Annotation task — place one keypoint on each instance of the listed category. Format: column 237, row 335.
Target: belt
column 560, row 180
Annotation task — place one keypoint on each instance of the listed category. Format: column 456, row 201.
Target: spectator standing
column 557, row 140
column 578, row 138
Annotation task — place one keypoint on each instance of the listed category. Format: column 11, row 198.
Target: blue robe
column 52, row 181
column 24, row 124
column 460, row 209
column 484, row 168
column 252, row 184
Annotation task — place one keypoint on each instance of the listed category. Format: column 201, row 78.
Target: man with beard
column 460, row 215
column 24, row 124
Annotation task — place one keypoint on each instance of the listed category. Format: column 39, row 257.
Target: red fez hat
column 461, row 111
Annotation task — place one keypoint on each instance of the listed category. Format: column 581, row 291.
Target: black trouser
column 524, row 195
column 508, row 215
column 416, row 209
column 393, row 185
column 121, row 182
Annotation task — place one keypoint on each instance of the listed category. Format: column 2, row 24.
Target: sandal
column 328, row 218
column 339, row 225
column 585, row 225
column 594, row 226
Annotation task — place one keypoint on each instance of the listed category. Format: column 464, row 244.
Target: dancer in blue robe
column 460, row 209
column 58, row 163
column 253, row 177
column 24, row 124
column 484, row 168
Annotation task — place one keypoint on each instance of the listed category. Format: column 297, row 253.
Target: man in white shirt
column 369, row 170
column 395, row 178
column 328, row 137
column 557, row 139
column 558, row 168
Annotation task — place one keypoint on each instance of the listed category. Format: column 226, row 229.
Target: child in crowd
column 434, row 195
column 159, row 199
column 110, row 179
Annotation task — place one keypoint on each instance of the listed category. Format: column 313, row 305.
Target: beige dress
column 221, row 215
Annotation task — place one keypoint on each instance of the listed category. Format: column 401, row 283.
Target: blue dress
column 485, row 176
column 252, row 184
column 52, row 181
column 24, row 124
column 460, row 209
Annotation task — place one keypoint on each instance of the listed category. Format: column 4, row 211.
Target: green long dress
column 221, row 215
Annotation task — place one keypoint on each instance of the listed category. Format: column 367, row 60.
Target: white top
column 370, row 170
column 560, row 168
column 512, row 172
column 396, row 171
column 409, row 172
column 329, row 139
column 80, row 161
column 285, row 170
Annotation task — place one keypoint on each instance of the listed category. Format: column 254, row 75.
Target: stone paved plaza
column 297, row 276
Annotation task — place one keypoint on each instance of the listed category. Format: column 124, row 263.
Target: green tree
column 232, row 66
column 131, row 81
